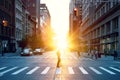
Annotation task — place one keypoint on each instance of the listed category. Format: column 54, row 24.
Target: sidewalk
column 10, row 54
column 103, row 57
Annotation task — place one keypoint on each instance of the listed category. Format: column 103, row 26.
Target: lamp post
column 4, row 24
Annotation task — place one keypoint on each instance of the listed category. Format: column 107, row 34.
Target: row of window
column 6, row 4
column 105, row 8
column 107, row 28
column 109, row 47
column 18, row 34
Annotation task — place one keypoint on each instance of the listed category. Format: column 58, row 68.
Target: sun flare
column 59, row 21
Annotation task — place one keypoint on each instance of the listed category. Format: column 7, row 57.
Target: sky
column 59, row 11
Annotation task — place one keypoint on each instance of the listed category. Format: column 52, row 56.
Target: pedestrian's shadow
column 58, row 75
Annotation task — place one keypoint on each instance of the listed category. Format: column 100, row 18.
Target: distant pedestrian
column 92, row 53
column 96, row 54
column 59, row 58
column 89, row 52
column 99, row 54
column 115, row 55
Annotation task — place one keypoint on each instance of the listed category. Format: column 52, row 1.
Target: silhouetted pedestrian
column 59, row 58
column 96, row 54
column 115, row 55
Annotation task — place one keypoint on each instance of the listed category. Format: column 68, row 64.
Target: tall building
column 101, row 25
column 7, row 32
column 75, row 20
column 18, row 22
column 71, row 8
column 45, row 20
column 33, row 7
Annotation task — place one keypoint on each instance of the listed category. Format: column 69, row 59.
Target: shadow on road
column 58, row 75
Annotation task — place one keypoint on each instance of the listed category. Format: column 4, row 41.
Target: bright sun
column 61, row 42
column 59, row 11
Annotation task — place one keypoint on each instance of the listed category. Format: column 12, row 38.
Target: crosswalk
column 112, row 70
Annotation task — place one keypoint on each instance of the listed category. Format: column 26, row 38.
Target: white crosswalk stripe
column 83, row 70
column 1, row 73
column 45, row 70
column 96, row 71
column 70, row 70
column 115, row 69
column 110, row 72
column 33, row 70
column 2, row 68
column 20, row 70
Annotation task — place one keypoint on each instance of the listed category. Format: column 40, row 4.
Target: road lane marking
column 45, row 70
column 96, row 71
column 20, row 70
column 83, row 70
column 115, row 69
column 107, row 70
column 7, row 71
column 33, row 70
column 70, row 70
column 2, row 68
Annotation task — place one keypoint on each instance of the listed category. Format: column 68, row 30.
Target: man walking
column 59, row 58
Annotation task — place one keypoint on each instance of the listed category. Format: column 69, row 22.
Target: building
column 18, row 22
column 101, row 25
column 33, row 7
column 7, row 33
column 45, row 20
column 71, row 8
column 29, row 10
column 75, row 20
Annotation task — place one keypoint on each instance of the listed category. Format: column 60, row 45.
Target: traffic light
column 75, row 12
column 5, row 23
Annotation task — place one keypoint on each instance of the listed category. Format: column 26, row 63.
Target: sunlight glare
column 59, row 11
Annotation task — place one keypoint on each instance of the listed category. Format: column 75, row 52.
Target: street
column 43, row 67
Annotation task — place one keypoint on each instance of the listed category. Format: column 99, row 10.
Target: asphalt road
column 43, row 67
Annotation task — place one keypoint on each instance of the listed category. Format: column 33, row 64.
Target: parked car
column 26, row 52
column 38, row 51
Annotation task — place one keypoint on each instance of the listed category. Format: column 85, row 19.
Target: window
column 115, row 23
column 115, row 2
column 98, row 14
column 102, row 29
column 102, row 10
column 95, row 34
column 98, row 32
column 108, row 27
column 108, row 6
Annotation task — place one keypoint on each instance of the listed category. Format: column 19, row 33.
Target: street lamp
column 4, row 24
column 75, row 12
